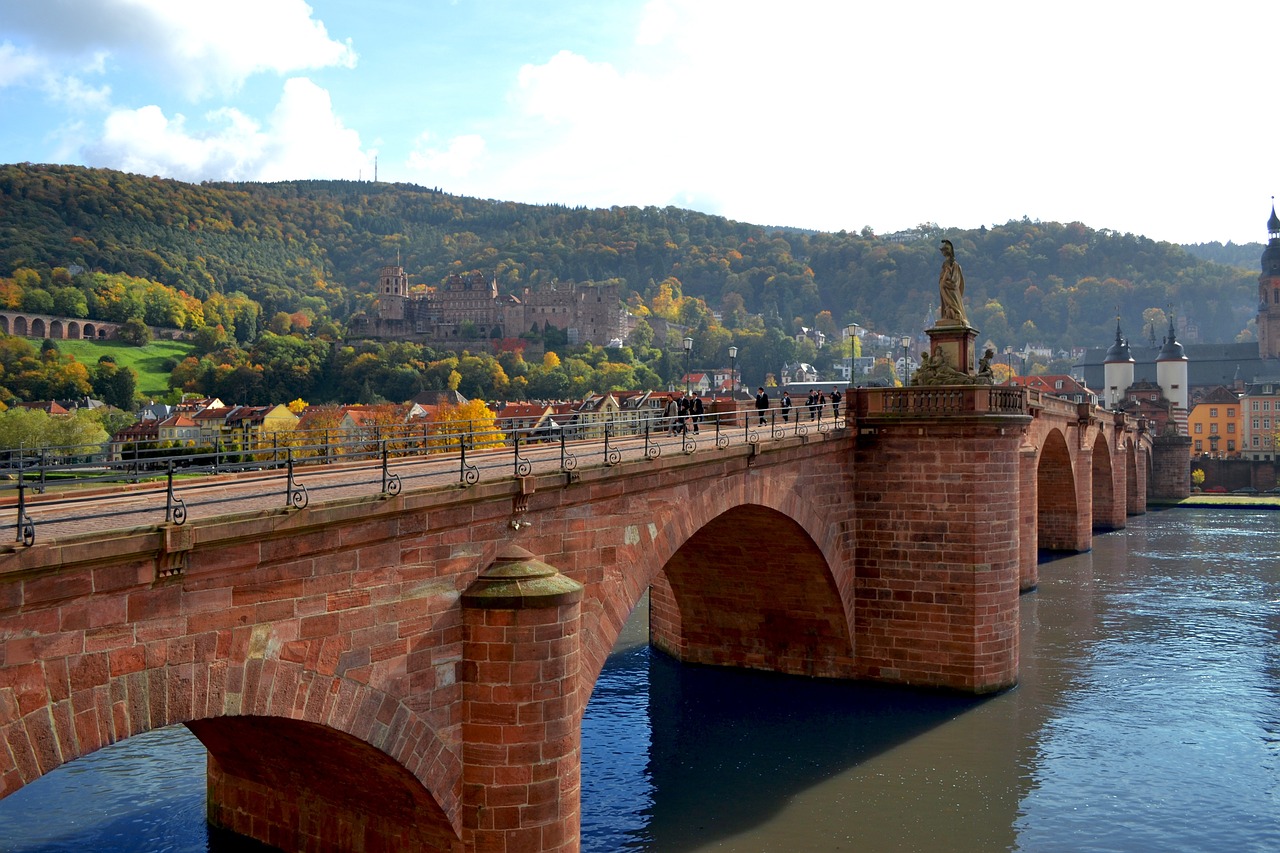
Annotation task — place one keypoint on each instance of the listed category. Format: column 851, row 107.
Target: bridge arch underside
column 1108, row 501
column 1135, row 497
column 751, row 589
column 1058, row 517
column 296, row 758
column 342, row 793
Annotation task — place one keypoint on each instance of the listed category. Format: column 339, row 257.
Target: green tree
column 114, row 385
column 134, row 332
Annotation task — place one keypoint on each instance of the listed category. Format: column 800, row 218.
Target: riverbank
column 1203, row 501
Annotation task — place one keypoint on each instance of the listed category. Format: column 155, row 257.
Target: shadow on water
column 724, row 750
column 750, row 739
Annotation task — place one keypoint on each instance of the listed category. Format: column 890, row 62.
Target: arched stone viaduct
column 397, row 674
column 24, row 324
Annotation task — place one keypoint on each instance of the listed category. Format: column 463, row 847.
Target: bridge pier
column 521, row 739
column 938, row 540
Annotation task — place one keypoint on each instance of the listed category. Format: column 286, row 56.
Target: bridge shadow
column 725, row 750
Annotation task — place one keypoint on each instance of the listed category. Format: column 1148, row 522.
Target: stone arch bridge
column 410, row 672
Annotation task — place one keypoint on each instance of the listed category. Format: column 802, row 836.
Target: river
column 1147, row 718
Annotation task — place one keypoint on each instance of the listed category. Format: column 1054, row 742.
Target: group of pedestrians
column 683, row 413
column 815, row 403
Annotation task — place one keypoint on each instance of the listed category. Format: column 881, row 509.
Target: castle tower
column 393, row 290
column 1117, row 370
column 1171, row 375
column 1269, row 292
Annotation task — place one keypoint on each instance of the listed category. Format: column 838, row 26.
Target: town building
column 1261, row 402
column 1216, row 424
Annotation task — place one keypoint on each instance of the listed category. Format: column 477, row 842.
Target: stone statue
column 985, row 374
column 937, row 370
column 951, row 288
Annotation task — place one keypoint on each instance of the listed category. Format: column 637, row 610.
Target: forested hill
column 316, row 246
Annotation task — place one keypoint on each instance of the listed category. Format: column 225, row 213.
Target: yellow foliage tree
column 472, row 421
column 298, row 406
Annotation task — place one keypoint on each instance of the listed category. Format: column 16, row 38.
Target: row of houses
column 209, row 422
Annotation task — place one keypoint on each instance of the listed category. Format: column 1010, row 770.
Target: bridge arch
column 255, row 717
column 55, row 330
column 751, row 589
column 37, row 328
column 20, row 326
column 1056, row 506
column 666, row 557
column 1135, row 496
column 1104, row 493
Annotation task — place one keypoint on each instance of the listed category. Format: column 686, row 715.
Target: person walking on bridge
column 762, row 403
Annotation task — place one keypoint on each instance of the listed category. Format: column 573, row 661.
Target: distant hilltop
column 317, row 248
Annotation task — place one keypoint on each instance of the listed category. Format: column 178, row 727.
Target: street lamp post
column 688, row 351
column 733, row 371
column 906, row 348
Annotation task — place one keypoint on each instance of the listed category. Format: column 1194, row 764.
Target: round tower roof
column 1119, row 351
column 1172, row 350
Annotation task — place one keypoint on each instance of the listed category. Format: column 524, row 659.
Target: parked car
column 1216, row 490
column 1247, row 490
column 1272, row 491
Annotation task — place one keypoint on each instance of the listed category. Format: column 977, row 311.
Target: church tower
column 1269, row 292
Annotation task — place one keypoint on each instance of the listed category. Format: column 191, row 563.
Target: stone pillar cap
column 517, row 580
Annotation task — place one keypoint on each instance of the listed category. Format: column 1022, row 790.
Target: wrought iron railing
column 87, row 488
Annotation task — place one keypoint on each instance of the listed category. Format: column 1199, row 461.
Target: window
column 1231, row 428
column 1199, row 428
column 1255, row 423
column 1213, row 413
column 1231, row 447
column 1213, row 429
column 1255, row 405
column 1255, row 441
column 1199, row 445
column 1231, row 413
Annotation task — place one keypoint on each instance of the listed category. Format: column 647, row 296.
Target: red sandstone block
column 24, row 755
column 55, row 588
column 321, row 626
column 127, row 660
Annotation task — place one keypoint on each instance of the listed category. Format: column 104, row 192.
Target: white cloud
column 18, row 65
column 200, row 48
column 462, row 157
column 302, row 139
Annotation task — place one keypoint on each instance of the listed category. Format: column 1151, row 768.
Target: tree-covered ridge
column 313, row 249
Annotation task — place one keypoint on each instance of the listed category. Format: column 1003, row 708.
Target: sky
column 1140, row 117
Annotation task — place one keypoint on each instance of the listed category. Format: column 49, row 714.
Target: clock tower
column 1269, row 292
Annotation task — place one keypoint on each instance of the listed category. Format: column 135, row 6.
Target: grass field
column 149, row 361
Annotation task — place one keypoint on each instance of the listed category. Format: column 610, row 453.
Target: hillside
column 316, row 246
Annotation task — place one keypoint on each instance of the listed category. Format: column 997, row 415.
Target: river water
column 1147, row 718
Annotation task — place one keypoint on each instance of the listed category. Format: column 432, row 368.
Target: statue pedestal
column 955, row 344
